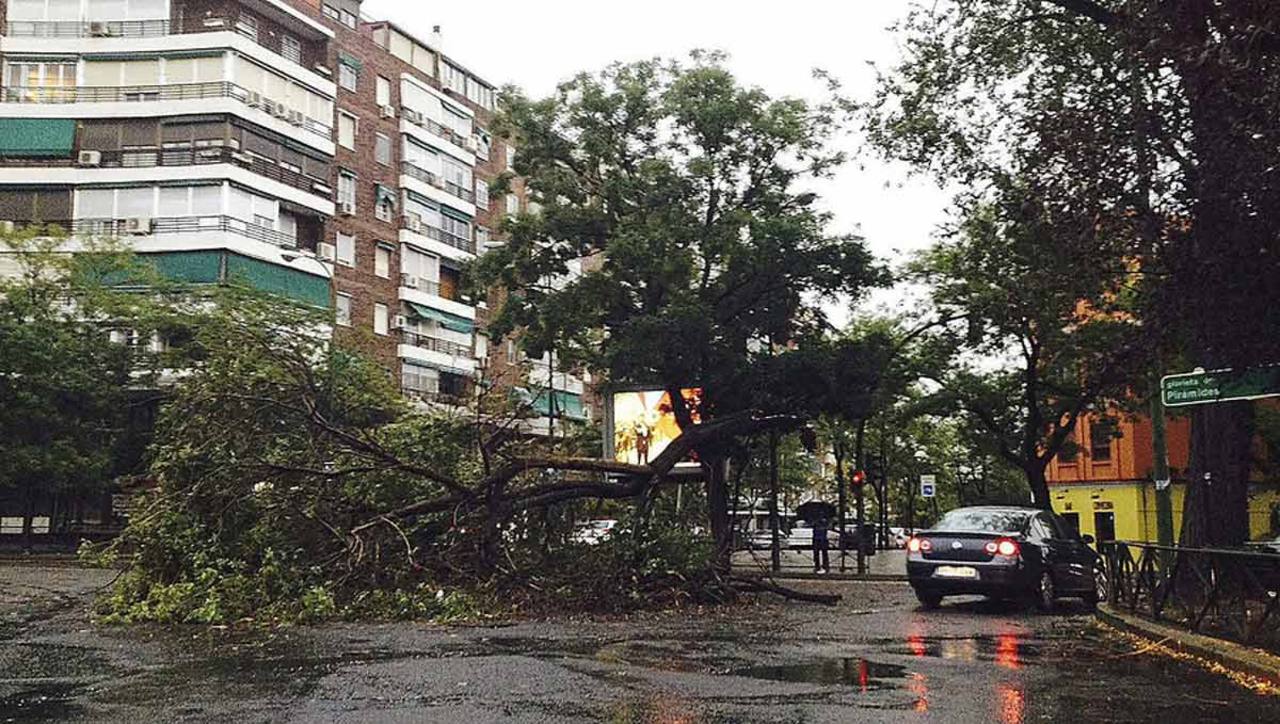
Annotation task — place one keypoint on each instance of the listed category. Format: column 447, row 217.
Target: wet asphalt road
column 876, row 657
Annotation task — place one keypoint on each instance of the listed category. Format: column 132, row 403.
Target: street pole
column 1160, row 471
column 862, row 511
column 842, row 495
column 776, row 543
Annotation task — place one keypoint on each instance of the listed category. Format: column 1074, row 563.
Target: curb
column 1232, row 655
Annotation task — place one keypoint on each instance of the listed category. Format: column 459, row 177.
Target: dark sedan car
column 1004, row 552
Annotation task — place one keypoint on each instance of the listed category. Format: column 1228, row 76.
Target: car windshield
column 983, row 521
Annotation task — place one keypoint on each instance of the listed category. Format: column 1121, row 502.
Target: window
column 383, row 91
column 382, row 261
column 513, row 204
column 342, row 309
column 453, row 78
column 1101, row 433
column 331, row 12
column 423, row 267
column 482, row 193
column 347, row 189
column 348, row 19
column 380, row 321
column 457, row 176
column 291, row 48
column 385, row 210
column 247, row 25
column 347, row 124
column 346, row 249
column 482, row 236
column 382, row 149
column 348, row 77
column 511, row 157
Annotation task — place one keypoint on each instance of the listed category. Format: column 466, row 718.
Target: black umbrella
column 816, row 510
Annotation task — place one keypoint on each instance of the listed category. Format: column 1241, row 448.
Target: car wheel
column 928, row 600
column 1101, row 589
column 1045, row 594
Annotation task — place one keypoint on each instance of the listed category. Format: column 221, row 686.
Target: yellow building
column 1105, row 489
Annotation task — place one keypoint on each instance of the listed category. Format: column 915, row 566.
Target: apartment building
column 295, row 145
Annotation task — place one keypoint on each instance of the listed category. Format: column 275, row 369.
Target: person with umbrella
column 821, row 547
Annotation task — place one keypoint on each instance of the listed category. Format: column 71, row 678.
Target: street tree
column 682, row 193
column 1042, row 333
column 1156, row 119
column 65, row 391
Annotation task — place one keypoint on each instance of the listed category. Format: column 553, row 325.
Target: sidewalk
column 883, row 566
column 1231, row 655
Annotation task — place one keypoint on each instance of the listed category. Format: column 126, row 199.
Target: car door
column 1058, row 553
column 1075, row 569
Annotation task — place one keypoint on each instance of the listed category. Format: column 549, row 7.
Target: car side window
column 1041, row 528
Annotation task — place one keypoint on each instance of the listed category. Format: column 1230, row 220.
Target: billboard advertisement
column 642, row 423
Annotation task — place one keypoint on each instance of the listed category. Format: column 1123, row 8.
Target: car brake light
column 992, row 548
column 914, row 544
column 1007, row 547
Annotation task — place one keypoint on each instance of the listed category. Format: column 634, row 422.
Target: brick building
column 292, row 144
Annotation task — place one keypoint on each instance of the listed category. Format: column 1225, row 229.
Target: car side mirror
column 1088, row 539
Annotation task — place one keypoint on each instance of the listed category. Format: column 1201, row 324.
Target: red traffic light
column 859, row 478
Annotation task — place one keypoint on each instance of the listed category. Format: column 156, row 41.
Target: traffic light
column 859, row 478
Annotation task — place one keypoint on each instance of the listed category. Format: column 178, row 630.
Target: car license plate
column 956, row 572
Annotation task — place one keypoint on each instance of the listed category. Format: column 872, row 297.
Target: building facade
column 1106, row 487
column 293, row 144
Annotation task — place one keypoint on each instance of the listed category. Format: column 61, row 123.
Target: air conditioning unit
column 347, row 208
column 297, row 118
column 101, row 30
column 413, row 116
column 413, row 223
column 388, row 111
column 139, row 226
column 399, row 322
column 89, row 158
column 472, row 144
column 327, row 251
column 409, row 280
column 281, row 112
column 253, row 99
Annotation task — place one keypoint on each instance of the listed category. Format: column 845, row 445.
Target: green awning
column 350, row 60
column 447, row 211
column 444, row 319
column 277, row 279
column 31, row 137
column 385, row 195
column 567, row 404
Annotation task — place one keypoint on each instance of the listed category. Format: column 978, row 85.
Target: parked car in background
column 898, row 537
column 1004, row 552
column 594, row 532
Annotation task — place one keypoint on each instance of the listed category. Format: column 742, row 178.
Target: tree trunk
column 1216, row 513
column 1039, row 485
column 713, row 469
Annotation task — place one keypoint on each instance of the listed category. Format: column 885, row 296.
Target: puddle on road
column 47, row 702
column 833, row 672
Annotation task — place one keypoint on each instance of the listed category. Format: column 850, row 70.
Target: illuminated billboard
column 642, row 423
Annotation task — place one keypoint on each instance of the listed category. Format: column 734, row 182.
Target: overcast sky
column 773, row 45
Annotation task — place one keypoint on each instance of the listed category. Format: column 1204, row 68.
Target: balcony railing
column 90, row 29
column 434, row 344
column 433, row 127
column 158, row 157
column 436, row 397
column 418, row 226
column 426, row 177
column 123, row 29
column 143, row 227
column 152, row 93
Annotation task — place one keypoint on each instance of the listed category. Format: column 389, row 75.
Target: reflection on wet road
column 875, row 657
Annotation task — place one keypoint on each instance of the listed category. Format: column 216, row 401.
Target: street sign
column 1202, row 388
column 928, row 486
